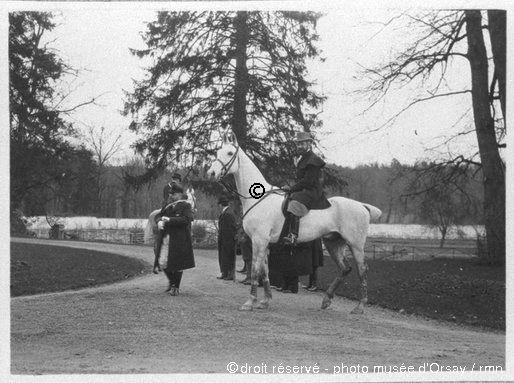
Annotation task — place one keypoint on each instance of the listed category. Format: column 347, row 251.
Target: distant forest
column 421, row 193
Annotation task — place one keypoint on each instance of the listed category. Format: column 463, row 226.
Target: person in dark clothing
column 174, row 186
column 246, row 251
column 175, row 221
column 317, row 261
column 227, row 229
column 307, row 192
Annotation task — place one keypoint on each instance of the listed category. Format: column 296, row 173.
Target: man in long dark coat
column 307, row 192
column 174, row 186
column 176, row 221
column 317, row 261
column 246, row 251
column 227, row 229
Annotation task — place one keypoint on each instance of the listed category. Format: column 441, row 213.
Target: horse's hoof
column 326, row 302
column 155, row 270
column 262, row 306
column 246, row 308
column 357, row 310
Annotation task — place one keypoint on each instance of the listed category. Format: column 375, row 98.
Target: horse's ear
column 224, row 136
column 234, row 140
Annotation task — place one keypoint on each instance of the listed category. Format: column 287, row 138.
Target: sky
column 97, row 42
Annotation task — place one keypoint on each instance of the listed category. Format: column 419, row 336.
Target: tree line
column 406, row 194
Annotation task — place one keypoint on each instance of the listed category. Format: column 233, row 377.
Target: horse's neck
column 247, row 175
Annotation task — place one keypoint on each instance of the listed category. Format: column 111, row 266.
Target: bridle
column 225, row 169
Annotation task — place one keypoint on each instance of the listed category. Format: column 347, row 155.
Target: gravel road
column 134, row 327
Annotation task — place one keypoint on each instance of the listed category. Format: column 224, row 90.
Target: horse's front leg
column 264, row 304
column 254, row 276
column 258, row 254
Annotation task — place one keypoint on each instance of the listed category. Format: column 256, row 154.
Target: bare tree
column 442, row 193
column 105, row 144
column 444, row 38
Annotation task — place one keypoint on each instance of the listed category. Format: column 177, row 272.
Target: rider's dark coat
column 308, row 189
column 180, row 250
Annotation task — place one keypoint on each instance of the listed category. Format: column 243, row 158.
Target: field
column 37, row 269
column 456, row 290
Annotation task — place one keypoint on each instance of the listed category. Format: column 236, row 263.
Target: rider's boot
column 294, row 226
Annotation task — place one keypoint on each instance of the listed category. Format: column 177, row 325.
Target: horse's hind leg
column 336, row 249
column 362, row 268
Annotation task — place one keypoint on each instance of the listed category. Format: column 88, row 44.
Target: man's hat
column 176, row 176
column 302, row 136
column 173, row 188
column 223, row 200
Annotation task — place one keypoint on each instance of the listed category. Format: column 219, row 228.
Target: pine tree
column 211, row 71
column 41, row 158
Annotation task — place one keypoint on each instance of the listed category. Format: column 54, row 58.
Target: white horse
column 345, row 222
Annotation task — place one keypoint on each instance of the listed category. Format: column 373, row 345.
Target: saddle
column 324, row 205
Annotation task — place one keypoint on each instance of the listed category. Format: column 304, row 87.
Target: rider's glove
column 160, row 225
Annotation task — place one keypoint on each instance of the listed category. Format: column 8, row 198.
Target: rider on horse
column 307, row 193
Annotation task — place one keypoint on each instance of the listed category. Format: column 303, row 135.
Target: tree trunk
column 497, row 32
column 492, row 165
column 239, row 122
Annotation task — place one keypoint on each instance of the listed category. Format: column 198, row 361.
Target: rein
column 225, row 168
column 272, row 191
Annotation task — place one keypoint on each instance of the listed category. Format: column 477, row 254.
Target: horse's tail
column 150, row 227
column 374, row 212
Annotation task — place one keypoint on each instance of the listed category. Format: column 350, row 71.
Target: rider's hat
column 302, row 136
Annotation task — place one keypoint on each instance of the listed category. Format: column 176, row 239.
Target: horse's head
column 226, row 157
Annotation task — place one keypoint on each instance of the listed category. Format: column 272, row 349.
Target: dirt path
column 134, row 327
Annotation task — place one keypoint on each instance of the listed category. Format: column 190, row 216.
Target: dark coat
column 227, row 229
column 317, row 253
column 180, row 251
column 308, row 189
column 291, row 261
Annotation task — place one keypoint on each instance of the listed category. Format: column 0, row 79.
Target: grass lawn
column 457, row 290
column 41, row 268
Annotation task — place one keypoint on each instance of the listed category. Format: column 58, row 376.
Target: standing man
column 227, row 229
column 317, row 261
column 307, row 193
column 175, row 221
column 174, row 186
column 246, row 251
